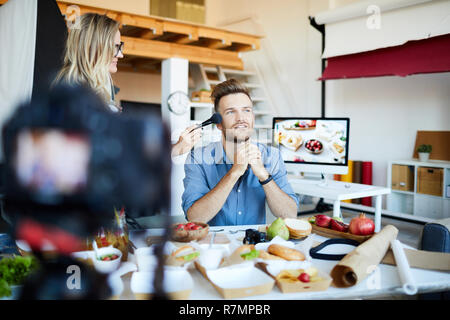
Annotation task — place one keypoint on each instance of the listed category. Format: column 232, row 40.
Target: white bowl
column 107, row 266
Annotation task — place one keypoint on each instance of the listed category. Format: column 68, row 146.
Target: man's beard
column 237, row 138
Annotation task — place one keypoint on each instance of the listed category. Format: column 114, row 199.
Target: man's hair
column 225, row 88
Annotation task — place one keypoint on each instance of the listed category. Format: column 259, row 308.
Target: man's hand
column 256, row 163
column 240, row 161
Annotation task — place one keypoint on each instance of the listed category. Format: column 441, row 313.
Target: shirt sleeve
column 279, row 174
column 195, row 183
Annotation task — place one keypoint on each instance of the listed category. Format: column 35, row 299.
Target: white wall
column 385, row 112
column 284, row 57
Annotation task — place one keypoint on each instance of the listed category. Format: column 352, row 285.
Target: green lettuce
column 13, row 271
column 250, row 255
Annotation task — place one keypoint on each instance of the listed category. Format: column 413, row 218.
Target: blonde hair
column 89, row 52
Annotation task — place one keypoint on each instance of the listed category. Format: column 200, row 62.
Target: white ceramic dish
column 107, row 266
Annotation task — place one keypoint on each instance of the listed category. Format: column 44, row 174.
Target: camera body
column 70, row 162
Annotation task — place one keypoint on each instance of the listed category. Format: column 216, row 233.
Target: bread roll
column 267, row 256
column 286, row 253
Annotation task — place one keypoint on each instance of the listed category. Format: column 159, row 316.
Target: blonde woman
column 93, row 48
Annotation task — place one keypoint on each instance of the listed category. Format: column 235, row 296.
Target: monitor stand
column 321, row 180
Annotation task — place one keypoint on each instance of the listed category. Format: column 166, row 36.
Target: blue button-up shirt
column 206, row 166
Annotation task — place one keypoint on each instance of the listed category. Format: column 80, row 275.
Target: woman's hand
column 187, row 140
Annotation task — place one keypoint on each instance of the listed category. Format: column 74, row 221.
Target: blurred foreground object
column 69, row 163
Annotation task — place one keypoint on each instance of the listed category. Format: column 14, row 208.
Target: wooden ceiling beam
column 164, row 50
column 217, row 44
column 150, row 34
column 186, row 39
column 189, row 32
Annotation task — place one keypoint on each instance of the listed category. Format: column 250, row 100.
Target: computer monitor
column 316, row 145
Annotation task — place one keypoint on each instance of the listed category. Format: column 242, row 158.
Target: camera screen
column 51, row 161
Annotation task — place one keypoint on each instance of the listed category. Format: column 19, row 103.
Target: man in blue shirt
column 228, row 182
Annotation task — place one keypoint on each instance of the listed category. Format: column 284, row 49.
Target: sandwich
column 183, row 255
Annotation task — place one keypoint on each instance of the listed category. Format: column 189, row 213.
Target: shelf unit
column 415, row 203
column 206, row 77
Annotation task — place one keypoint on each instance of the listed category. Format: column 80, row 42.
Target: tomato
column 196, row 227
column 189, row 225
column 304, row 277
column 180, row 226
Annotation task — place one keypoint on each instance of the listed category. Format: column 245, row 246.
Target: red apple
column 323, row 220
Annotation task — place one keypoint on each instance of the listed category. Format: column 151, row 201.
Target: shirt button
column 240, row 212
column 239, row 190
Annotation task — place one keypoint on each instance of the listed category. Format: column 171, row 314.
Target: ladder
column 206, row 77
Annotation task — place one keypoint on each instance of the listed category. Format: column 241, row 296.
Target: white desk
column 337, row 191
column 383, row 282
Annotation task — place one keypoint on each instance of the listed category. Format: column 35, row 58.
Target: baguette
column 286, row 253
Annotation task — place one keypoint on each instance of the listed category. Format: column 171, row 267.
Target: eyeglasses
column 119, row 48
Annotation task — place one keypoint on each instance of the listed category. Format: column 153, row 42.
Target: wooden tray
column 330, row 233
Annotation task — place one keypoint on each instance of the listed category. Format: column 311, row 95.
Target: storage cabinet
column 419, row 188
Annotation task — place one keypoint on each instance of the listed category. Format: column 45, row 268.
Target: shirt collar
column 218, row 154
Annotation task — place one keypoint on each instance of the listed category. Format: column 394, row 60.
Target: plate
column 291, row 141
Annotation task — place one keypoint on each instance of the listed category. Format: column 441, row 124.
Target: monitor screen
column 315, row 141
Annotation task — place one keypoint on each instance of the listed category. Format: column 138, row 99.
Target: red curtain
column 422, row 56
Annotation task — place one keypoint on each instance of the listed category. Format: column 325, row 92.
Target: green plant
column 425, row 148
column 13, row 271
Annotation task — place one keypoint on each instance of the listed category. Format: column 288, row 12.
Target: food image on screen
column 52, row 161
column 311, row 141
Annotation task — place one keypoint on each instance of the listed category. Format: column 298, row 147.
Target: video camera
column 70, row 162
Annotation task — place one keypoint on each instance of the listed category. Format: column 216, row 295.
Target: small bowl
column 107, row 266
column 190, row 235
column 314, row 152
